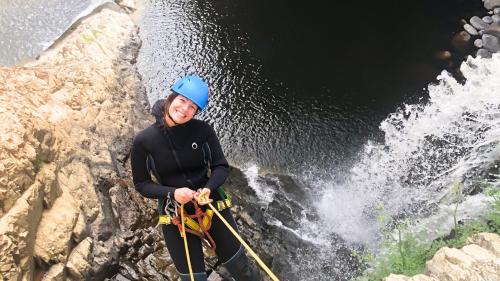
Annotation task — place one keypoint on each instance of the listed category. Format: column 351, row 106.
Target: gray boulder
column 482, row 53
column 470, row 29
column 493, row 29
column 491, row 43
column 487, row 19
column 496, row 18
column 478, row 43
column 478, row 23
column 491, row 4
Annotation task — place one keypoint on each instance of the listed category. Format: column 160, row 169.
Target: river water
column 297, row 85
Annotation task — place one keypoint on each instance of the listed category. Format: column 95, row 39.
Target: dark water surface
column 299, row 84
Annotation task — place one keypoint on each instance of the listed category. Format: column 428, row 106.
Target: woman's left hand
column 203, row 196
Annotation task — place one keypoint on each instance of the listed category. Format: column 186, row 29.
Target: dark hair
column 168, row 101
column 170, row 98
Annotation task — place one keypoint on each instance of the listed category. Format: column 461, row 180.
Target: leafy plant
column 405, row 253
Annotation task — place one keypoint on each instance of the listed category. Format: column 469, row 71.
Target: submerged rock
column 461, row 41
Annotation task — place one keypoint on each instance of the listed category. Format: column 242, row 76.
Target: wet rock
column 482, row 53
column 120, row 277
column 461, row 41
column 214, row 276
column 491, row 43
column 129, row 271
column 144, row 251
column 478, row 43
column 442, row 55
column 105, row 258
column 493, row 29
column 491, row 4
column 487, row 19
column 496, row 11
column 478, row 23
column 496, row 18
column 55, row 273
column 470, row 29
column 148, row 271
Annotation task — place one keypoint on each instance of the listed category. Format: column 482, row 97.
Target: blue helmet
column 193, row 88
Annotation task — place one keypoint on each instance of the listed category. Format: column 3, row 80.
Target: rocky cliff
column 66, row 122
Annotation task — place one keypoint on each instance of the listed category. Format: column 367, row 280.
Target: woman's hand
column 203, row 196
column 183, row 195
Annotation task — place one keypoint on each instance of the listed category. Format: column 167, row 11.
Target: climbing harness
column 198, row 223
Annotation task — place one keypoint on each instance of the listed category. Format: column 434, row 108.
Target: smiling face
column 180, row 111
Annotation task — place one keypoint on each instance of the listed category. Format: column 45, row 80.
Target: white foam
column 454, row 137
column 264, row 192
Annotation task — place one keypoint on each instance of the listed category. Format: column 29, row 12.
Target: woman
column 186, row 158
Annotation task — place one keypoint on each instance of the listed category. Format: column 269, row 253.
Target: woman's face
column 182, row 109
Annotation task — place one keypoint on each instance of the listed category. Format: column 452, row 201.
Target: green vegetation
column 405, row 253
column 39, row 162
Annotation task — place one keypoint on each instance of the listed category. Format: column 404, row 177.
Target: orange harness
column 201, row 229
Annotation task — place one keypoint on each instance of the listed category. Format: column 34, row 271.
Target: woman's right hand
column 183, row 195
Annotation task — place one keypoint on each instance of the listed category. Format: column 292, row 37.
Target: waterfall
column 428, row 147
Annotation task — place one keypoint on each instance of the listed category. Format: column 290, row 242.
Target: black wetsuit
column 186, row 140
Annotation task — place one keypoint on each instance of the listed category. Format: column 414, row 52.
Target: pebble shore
column 484, row 32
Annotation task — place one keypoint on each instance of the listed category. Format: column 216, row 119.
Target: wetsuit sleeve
column 141, row 176
column 220, row 167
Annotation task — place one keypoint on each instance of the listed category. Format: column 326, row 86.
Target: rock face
column 66, row 122
column 480, row 260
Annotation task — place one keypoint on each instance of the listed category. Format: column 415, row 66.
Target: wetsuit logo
column 194, row 145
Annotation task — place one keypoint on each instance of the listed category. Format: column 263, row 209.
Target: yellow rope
column 186, row 244
column 254, row 255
